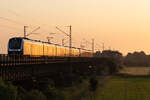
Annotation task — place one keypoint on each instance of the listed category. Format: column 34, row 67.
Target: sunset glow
column 120, row 24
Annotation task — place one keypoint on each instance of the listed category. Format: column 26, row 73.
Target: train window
column 15, row 43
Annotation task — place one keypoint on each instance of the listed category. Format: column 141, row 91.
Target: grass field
column 130, row 86
column 136, row 70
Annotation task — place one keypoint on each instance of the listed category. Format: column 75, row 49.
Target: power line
column 23, row 17
column 25, row 34
column 9, row 20
column 10, row 27
column 20, row 15
column 14, row 12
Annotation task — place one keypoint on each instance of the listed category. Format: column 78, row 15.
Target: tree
column 22, row 93
column 53, row 94
column 93, row 86
column 36, row 95
column 8, row 91
column 137, row 59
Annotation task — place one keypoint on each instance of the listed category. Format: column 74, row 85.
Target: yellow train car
column 49, row 49
column 59, row 53
column 27, row 47
column 32, row 48
column 67, row 52
column 75, row 52
column 86, row 53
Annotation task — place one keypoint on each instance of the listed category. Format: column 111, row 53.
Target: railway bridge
column 17, row 67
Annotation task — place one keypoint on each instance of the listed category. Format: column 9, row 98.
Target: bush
column 10, row 92
column 22, row 93
column 54, row 94
column 7, row 91
column 93, row 84
column 36, row 95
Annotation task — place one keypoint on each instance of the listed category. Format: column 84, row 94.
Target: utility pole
column 70, row 51
column 63, row 42
column 70, row 42
column 103, row 46
column 25, row 31
column 93, row 46
column 70, row 47
column 70, row 38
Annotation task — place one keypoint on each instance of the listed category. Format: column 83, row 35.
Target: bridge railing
column 10, row 60
column 13, row 60
column 6, row 60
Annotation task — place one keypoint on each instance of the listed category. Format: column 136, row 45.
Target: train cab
column 15, row 46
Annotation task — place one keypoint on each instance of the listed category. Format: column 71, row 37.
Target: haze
column 120, row 24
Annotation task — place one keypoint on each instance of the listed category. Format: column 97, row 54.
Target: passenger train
column 28, row 47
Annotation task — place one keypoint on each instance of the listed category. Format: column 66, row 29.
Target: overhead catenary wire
column 22, row 17
column 74, row 41
column 10, row 20
column 11, row 27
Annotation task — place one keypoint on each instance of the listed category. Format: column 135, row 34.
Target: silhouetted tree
column 93, row 84
column 137, row 59
column 53, row 94
column 97, row 54
column 8, row 91
column 36, row 95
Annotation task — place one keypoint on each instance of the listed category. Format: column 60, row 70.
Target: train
column 36, row 48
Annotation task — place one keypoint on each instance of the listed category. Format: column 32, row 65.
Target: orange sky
column 121, row 24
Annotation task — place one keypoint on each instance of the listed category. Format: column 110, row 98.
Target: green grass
column 133, row 83
column 76, row 92
column 125, row 87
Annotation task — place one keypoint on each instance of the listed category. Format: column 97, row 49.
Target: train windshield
column 15, row 43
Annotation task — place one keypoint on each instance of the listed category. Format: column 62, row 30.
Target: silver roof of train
column 47, row 43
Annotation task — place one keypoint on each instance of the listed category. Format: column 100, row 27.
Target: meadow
column 133, row 83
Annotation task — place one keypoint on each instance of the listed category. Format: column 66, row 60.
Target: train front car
column 15, row 46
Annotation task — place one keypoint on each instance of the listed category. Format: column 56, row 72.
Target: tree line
column 137, row 59
column 131, row 59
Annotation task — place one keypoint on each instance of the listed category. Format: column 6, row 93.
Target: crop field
column 130, row 86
